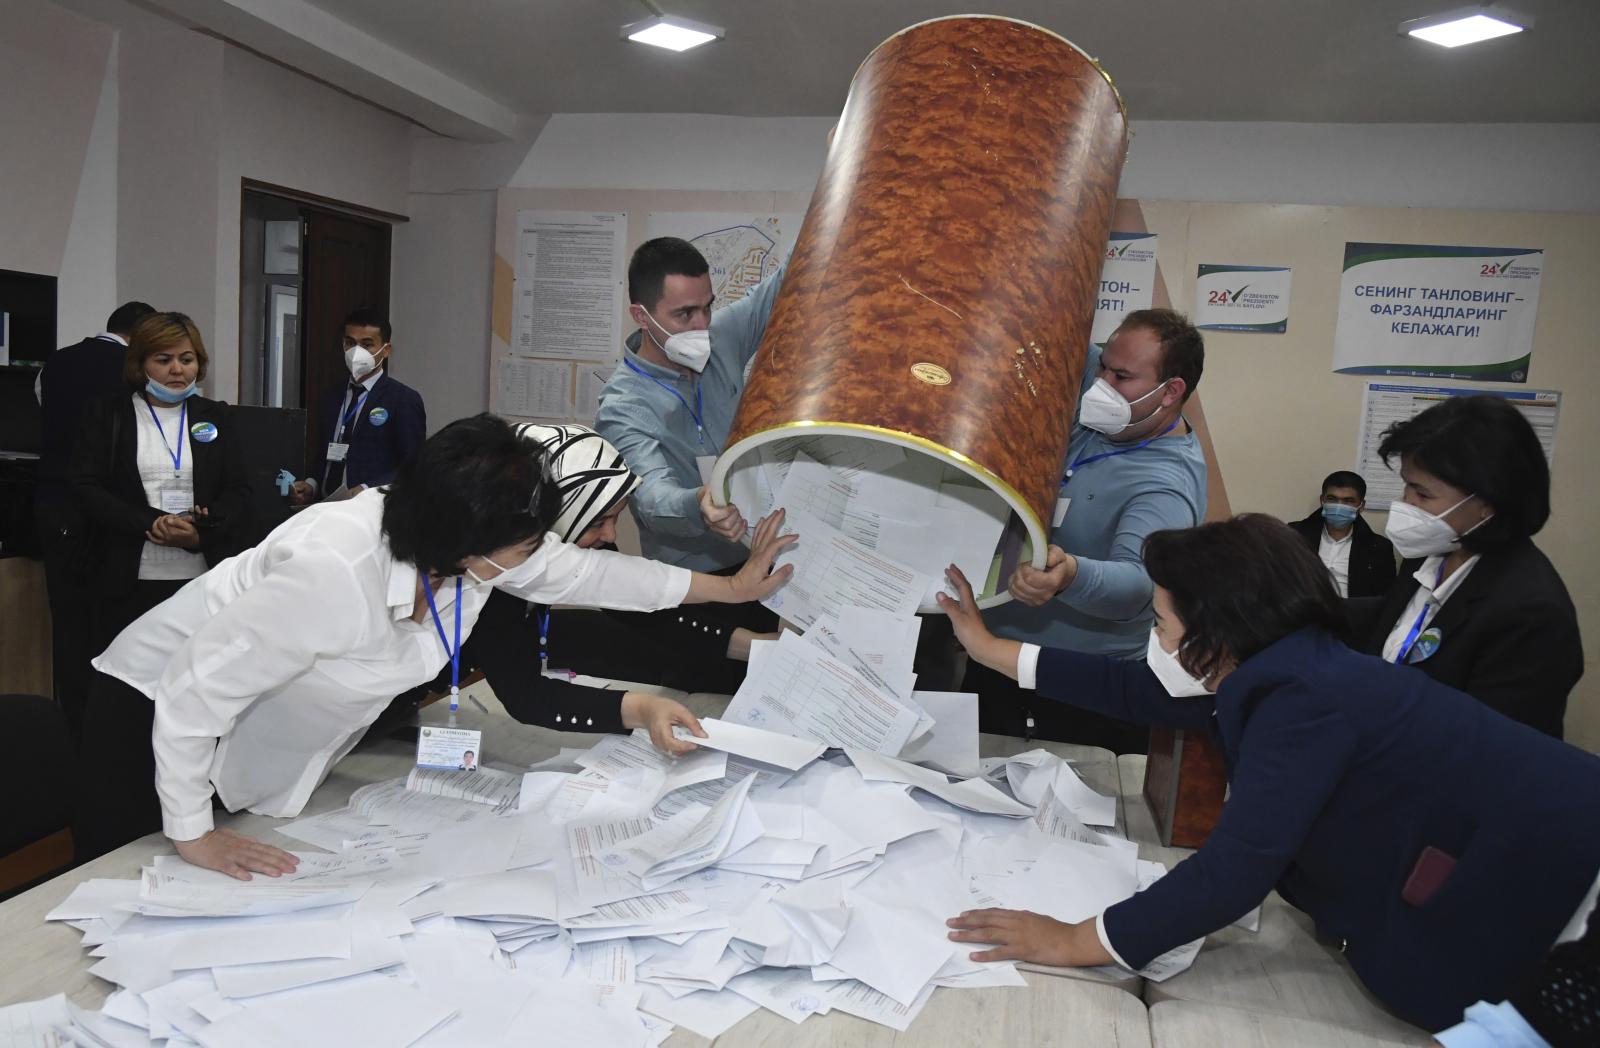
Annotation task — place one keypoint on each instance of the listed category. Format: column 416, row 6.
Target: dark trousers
column 116, row 798
column 72, row 613
column 1005, row 709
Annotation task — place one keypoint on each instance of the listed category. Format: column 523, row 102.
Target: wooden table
column 42, row 959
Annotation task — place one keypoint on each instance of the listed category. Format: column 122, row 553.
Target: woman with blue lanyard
column 265, row 672
column 1476, row 605
column 529, row 652
column 160, row 473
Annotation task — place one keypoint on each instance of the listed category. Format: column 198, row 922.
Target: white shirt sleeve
column 1028, row 667
column 601, row 578
column 308, row 607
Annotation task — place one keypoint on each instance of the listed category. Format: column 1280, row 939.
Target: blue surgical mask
column 1338, row 514
column 168, row 395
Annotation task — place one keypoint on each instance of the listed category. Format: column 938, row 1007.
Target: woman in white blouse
column 268, row 669
column 160, row 474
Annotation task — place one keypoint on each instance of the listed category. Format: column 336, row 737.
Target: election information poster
column 1242, row 298
column 1437, row 312
column 1385, row 405
column 1127, row 282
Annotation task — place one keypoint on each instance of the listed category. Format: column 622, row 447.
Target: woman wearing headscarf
column 516, row 642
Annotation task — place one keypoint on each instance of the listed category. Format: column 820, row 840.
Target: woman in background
column 160, row 474
column 1476, row 605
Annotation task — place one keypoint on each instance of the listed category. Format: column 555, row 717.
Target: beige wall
column 1281, row 419
column 52, row 69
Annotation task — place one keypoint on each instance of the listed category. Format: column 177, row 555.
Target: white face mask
column 691, row 349
column 522, row 573
column 360, row 361
column 1106, row 411
column 1418, row 533
column 1170, row 672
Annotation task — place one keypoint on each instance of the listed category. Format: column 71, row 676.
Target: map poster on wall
column 1384, row 405
column 741, row 249
column 1242, row 298
column 1437, row 312
column 1127, row 282
column 568, row 286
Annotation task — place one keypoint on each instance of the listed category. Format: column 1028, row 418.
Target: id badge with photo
column 453, row 749
column 337, row 451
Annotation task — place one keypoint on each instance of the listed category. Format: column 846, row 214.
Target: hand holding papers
column 833, row 572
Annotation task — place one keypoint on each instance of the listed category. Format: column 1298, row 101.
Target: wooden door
column 345, row 267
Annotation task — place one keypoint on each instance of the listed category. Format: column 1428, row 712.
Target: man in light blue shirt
column 1134, row 466
column 669, row 405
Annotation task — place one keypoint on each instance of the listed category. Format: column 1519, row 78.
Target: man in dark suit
column 1360, row 560
column 71, row 378
column 377, row 421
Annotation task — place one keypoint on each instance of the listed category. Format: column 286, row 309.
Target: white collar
column 1428, row 571
column 372, row 379
column 1327, row 537
column 113, row 337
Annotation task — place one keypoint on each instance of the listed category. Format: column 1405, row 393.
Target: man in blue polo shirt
column 1134, row 466
column 669, row 405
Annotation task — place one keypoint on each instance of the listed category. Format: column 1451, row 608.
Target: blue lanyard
column 455, row 654
column 1416, row 627
column 1084, row 461
column 183, row 418
column 351, row 415
column 544, row 640
column 697, row 412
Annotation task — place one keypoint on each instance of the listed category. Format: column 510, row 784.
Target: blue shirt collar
column 630, row 351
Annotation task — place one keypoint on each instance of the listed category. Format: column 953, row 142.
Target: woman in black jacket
column 515, row 641
column 160, row 474
column 1476, row 605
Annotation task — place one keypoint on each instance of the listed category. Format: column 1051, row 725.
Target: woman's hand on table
column 658, row 715
column 236, row 855
column 1019, row 935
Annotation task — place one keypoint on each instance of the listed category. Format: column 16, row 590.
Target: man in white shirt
column 1358, row 559
column 265, row 671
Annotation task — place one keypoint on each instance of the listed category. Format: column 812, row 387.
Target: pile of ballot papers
column 604, row 898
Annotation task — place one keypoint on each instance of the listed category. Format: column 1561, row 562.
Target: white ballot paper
column 800, row 690
column 616, row 755
column 691, row 840
column 757, row 744
column 952, row 745
column 971, row 794
column 833, row 572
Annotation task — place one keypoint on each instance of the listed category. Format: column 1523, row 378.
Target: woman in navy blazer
column 1445, row 845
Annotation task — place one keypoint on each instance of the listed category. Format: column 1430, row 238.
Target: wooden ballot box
column 1185, row 783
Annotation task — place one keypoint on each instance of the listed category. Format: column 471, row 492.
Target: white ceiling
column 1338, row 61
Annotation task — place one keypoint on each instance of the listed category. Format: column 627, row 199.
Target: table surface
column 1280, row 985
column 1089, row 1008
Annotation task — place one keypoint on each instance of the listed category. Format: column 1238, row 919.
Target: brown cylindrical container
column 943, row 283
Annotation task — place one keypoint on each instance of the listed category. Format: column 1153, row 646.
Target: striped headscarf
column 590, row 476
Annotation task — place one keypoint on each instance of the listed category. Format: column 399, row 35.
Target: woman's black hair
column 470, row 489
column 1484, row 447
column 1239, row 586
